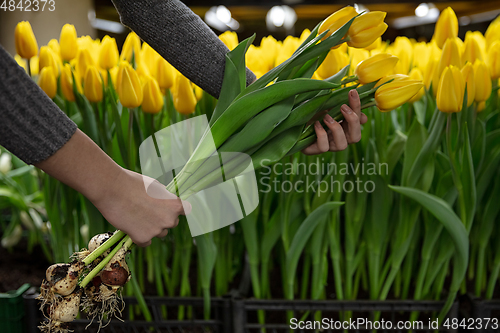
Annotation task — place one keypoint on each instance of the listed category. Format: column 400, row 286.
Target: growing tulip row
column 426, row 230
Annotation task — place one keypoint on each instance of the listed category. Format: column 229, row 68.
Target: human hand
column 342, row 133
column 141, row 215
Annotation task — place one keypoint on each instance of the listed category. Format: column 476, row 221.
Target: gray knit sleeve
column 32, row 127
column 181, row 37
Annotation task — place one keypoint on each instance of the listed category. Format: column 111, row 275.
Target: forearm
column 181, row 37
column 32, row 127
column 82, row 165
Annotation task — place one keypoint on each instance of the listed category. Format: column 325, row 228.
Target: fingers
column 339, row 140
column 353, row 126
column 322, row 142
column 164, row 233
column 355, row 104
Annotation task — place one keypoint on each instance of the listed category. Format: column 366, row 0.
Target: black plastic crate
column 245, row 312
column 483, row 311
column 219, row 323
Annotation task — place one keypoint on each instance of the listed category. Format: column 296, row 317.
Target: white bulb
column 277, row 16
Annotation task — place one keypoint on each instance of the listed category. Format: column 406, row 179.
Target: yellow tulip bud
column 492, row 33
column 165, row 74
column 108, row 55
column 114, row 73
column 48, row 81
column 470, row 82
column 230, row 39
column 26, row 45
column 68, row 42
column 446, row 27
column 483, row 81
column 34, row 65
column 357, row 55
column 254, row 59
column 132, row 45
column 394, row 94
column 184, row 98
column 128, row 86
column 450, row 55
column 494, row 60
column 67, row 83
column 153, row 98
column 403, row 49
column 375, row 67
column 48, row 58
column 198, row 92
column 450, row 94
column 54, row 45
column 393, row 77
column 472, row 50
column 375, row 45
column 366, row 29
column 303, row 36
column 20, row 61
column 416, row 74
column 269, row 46
column 481, row 106
column 93, row 85
column 334, row 61
column 149, row 58
column 290, row 44
column 337, row 20
column 83, row 60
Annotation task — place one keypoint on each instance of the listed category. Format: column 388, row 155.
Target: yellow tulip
column 68, row 42
column 470, row 83
column 128, row 86
column 132, row 45
column 93, row 85
column 357, row 55
column 153, row 98
column 114, row 73
column 303, row 36
column 446, row 27
column 48, row 58
column 34, row 65
column 67, row 83
column 450, row 55
column 483, row 81
column 366, row 29
column 165, row 74
column 84, row 60
column 149, row 58
column 450, row 94
column 334, row 61
column 403, row 49
column 392, row 77
column 108, row 55
column 48, row 81
column 337, row 20
column 416, row 74
column 26, row 45
column 54, row 45
column 472, row 50
column 423, row 52
column 494, row 60
column 230, row 39
column 269, row 46
column 198, row 92
column 375, row 67
column 375, row 45
column 481, row 106
column 394, row 94
column 184, row 98
column 492, row 33
column 290, row 44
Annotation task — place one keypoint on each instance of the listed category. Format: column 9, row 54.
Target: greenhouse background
column 401, row 227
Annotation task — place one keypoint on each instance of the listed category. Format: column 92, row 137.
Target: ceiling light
column 422, row 10
column 281, row 17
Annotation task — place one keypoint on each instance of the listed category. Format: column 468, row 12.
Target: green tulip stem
column 104, row 246
column 28, row 67
column 125, row 243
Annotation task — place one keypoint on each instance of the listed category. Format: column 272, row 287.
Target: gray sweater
column 33, row 128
